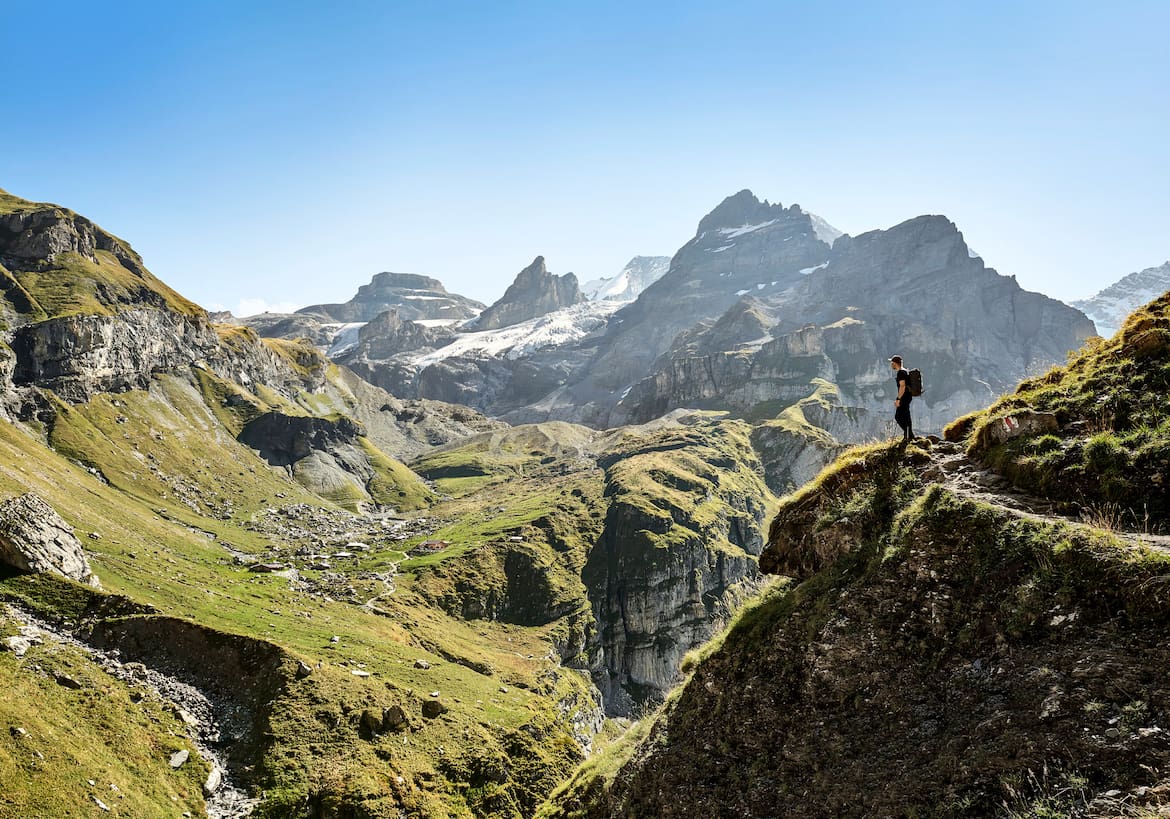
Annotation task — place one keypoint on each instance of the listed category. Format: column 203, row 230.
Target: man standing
column 902, row 402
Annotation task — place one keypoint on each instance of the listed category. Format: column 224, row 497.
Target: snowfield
column 565, row 326
column 345, row 337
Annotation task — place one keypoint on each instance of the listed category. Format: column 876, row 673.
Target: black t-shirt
column 899, row 377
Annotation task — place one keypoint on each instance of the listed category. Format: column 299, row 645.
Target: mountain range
column 408, row 554
column 768, row 313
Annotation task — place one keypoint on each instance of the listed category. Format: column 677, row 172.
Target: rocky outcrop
column 285, row 439
column 534, row 292
column 1109, row 308
column 35, row 237
column 34, row 538
column 389, row 335
column 675, row 558
column 412, row 296
column 77, row 356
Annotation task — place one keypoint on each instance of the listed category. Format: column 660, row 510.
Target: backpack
column 914, row 382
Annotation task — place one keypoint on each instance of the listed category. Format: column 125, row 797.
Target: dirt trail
column 206, row 718
column 971, row 479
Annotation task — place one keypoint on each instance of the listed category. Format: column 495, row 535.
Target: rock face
column 914, row 290
column 77, row 356
column 331, row 458
column 940, row 658
column 534, row 292
column 34, row 538
column 285, row 439
column 412, row 296
column 675, row 558
column 1109, row 308
column 640, row 273
column 37, row 236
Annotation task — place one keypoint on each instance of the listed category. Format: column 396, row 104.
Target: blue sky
column 264, row 154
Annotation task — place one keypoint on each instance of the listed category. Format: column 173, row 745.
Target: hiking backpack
column 914, row 382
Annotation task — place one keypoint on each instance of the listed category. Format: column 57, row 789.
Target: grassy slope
column 154, row 548
column 96, row 732
column 1114, row 451
column 74, row 285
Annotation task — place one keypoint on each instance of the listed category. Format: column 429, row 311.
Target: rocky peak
column 411, row 295
column 742, row 208
column 636, row 276
column 1109, row 308
column 535, row 292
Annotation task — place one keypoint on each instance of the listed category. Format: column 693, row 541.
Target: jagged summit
column 638, row 274
column 534, row 292
column 1109, row 308
column 741, row 208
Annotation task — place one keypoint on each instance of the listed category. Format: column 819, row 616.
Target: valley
column 414, row 555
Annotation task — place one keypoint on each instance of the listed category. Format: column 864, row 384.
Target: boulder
column 393, row 718
column 34, row 538
column 214, row 780
column 17, row 645
column 433, row 708
column 1015, row 425
column 369, row 723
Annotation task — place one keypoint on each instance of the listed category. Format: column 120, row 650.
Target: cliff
column 965, row 629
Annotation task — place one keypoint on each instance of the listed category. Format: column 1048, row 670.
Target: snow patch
column 804, row 271
column 556, row 329
column 345, row 337
column 742, row 230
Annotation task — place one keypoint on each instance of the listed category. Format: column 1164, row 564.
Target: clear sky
column 281, row 153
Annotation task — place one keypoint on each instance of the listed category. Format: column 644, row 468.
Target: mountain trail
column 971, row 479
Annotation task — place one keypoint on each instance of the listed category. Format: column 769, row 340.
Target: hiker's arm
column 901, row 389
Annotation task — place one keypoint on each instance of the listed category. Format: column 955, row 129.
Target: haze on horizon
column 281, row 155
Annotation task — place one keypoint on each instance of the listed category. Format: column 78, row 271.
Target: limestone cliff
column 676, row 555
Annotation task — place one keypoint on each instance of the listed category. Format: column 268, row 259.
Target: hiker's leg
column 902, row 416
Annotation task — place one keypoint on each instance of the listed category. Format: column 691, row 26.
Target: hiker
column 902, row 402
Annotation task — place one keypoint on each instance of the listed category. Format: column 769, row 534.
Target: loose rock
column 433, row 708
column 34, row 538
